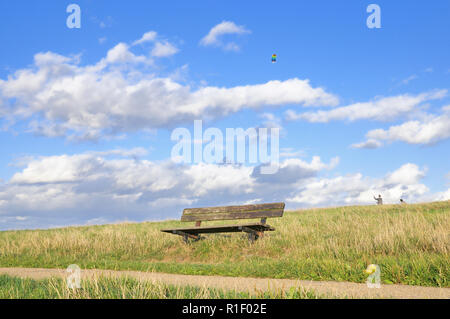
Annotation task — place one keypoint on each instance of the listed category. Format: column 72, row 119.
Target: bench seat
column 254, row 230
column 258, row 227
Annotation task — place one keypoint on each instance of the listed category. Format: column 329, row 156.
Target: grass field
column 127, row 288
column 410, row 243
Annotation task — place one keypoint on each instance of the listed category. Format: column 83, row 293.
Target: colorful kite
column 274, row 58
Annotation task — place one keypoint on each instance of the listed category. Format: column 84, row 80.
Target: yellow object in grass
column 370, row 269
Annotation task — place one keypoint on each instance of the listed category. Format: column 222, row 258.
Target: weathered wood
column 247, row 229
column 254, row 230
column 252, row 237
column 256, row 227
column 184, row 234
column 233, row 212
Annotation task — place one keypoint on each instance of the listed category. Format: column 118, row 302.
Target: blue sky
column 86, row 114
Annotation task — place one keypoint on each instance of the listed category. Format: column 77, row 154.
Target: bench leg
column 198, row 238
column 186, row 236
column 253, row 236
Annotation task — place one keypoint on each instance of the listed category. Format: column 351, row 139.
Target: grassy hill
column 409, row 242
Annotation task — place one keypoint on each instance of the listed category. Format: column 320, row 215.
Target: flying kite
column 274, row 58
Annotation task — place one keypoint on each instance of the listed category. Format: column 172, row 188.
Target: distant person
column 379, row 200
column 402, row 201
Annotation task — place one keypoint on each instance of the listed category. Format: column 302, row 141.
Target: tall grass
column 128, row 288
column 409, row 242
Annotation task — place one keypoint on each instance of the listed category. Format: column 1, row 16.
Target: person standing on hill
column 379, row 200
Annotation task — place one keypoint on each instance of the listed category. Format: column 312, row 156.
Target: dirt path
column 329, row 288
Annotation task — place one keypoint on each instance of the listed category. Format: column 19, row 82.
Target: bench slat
column 233, row 212
column 221, row 229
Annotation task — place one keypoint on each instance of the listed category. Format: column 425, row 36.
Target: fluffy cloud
column 225, row 27
column 147, row 37
column 164, row 49
column 109, row 186
column 429, row 131
column 293, row 169
column 407, row 174
column 382, row 109
column 357, row 189
column 441, row 196
column 119, row 54
column 119, row 95
column 370, row 144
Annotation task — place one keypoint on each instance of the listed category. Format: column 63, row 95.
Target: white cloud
column 65, row 189
column 356, row 189
column 407, row 174
column 147, row 37
column 121, row 54
column 291, row 152
column 108, row 187
column 381, row 109
column 56, row 169
column 134, row 152
column 117, row 95
column 441, row 196
column 369, row 144
column 225, row 27
column 163, row 49
column 207, row 178
column 292, row 170
column 415, row 132
column 431, row 129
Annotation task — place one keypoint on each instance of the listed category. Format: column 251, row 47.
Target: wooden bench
column 254, row 230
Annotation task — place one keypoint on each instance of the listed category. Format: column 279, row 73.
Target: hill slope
column 410, row 243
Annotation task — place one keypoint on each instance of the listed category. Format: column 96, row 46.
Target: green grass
column 410, row 243
column 127, row 288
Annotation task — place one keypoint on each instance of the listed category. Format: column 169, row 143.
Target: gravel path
column 328, row 288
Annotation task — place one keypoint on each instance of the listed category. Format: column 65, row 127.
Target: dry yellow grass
column 410, row 243
column 107, row 287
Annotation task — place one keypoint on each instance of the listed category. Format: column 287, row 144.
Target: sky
column 87, row 114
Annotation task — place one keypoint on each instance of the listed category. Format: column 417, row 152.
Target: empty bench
column 254, row 230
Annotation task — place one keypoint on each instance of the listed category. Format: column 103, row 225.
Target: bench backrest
column 233, row 212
